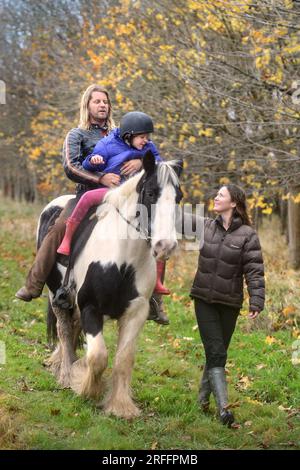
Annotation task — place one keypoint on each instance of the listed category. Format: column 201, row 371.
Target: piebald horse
column 112, row 274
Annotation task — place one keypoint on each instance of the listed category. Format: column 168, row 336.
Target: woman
column 231, row 251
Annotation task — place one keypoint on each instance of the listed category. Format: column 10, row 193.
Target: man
column 95, row 122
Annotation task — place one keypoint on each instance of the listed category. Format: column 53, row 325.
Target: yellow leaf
column 288, row 310
column 270, row 340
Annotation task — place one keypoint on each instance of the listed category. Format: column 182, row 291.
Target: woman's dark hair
column 238, row 196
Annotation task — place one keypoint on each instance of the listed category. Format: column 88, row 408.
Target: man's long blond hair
column 84, row 119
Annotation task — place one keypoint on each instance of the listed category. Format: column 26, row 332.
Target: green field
column 264, row 385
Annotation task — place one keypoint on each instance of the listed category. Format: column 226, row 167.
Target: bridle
column 145, row 231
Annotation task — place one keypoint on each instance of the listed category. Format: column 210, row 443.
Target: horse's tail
column 51, row 325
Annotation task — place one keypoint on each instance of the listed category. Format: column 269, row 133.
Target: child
column 129, row 142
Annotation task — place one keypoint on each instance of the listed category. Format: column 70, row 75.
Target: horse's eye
column 151, row 194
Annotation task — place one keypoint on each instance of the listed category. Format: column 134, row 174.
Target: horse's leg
column 119, row 401
column 77, row 327
column 54, row 361
column 87, row 372
column 67, row 352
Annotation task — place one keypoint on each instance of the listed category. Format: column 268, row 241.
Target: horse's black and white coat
column 113, row 271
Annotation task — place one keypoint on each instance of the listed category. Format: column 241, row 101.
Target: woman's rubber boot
column 159, row 287
column 204, row 391
column 218, row 385
column 65, row 246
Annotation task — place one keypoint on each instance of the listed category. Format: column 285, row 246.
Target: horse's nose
column 164, row 248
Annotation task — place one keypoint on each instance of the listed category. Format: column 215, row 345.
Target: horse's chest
column 108, row 287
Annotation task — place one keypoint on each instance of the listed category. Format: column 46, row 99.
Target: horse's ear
column 149, row 162
column 178, row 167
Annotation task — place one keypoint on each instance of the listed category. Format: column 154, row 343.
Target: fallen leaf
column 270, row 340
column 165, row 372
column 282, row 408
column 243, row 383
column 288, row 310
column 235, row 426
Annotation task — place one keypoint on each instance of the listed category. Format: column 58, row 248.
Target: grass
column 264, row 385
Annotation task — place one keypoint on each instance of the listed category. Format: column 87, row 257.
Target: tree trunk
column 294, row 232
column 283, row 213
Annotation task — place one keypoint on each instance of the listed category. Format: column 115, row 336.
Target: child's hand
column 96, row 160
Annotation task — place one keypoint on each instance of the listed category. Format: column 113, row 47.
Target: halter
column 146, row 233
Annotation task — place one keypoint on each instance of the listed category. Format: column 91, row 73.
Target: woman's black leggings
column 216, row 324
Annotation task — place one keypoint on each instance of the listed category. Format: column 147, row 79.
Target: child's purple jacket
column 115, row 152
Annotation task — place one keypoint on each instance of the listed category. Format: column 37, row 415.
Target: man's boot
column 204, row 391
column 24, row 294
column 44, row 261
column 156, row 311
column 218, row 385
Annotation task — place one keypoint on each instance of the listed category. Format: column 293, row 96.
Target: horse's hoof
column 125, row 411
column 64, row 379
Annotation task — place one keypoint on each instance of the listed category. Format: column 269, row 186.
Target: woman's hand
column 96, row 160
column 131, row 167
column 110, row 180
column 253, row 314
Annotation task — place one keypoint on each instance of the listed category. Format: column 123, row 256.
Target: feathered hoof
column 53, row 363
column 125, row 410
column 78, row 375
column 55, row 370
column 64, row 378
column 83, row 382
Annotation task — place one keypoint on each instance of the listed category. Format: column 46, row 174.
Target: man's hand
column 253, row 314
column 110, row 180
column 96, row 160
column 131, row 167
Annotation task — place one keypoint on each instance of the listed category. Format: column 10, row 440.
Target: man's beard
column 98, row 118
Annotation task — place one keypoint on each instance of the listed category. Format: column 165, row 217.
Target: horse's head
column 159, row 192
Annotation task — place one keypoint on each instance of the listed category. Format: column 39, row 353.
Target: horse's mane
column 165, row 174
column 117, row 195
